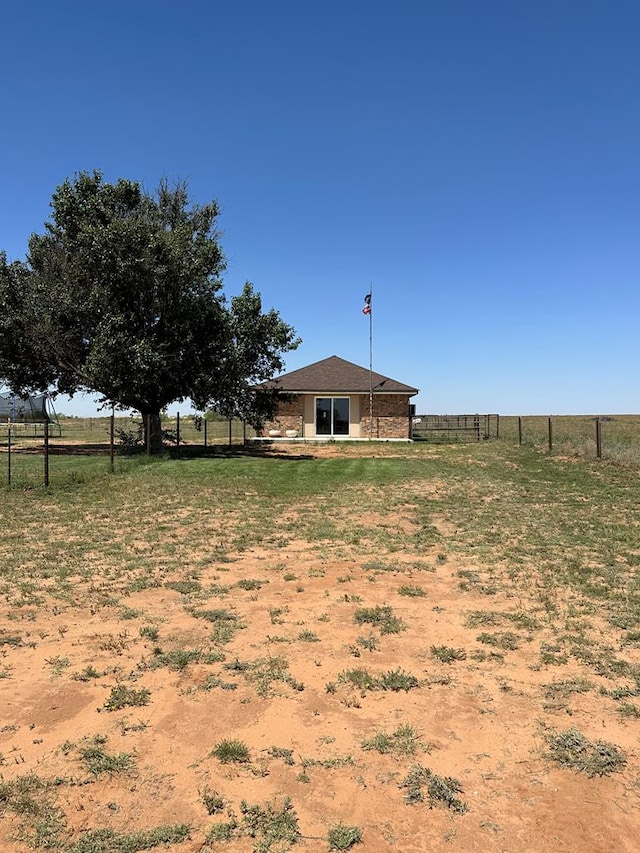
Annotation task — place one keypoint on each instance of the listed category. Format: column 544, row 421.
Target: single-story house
column 334, row 398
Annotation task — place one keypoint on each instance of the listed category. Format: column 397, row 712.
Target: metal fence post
column 598, row 439
column 550, row 435
column 112, row 436
column 9, row 453
column 46, row 453
column 519, row 431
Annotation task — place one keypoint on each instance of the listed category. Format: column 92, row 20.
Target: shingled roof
column 335, row 374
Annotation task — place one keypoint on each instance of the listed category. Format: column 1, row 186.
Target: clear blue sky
column 477, row 162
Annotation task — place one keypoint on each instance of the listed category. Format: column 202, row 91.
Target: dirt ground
column 479, row 718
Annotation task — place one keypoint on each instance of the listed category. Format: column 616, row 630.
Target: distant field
column 97, row 430
column 576, row 435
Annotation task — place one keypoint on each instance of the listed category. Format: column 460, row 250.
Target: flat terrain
column 370, row 647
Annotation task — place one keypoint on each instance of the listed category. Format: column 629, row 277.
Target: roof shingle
column 336, row 374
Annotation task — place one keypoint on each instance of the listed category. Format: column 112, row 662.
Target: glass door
column 332, row 416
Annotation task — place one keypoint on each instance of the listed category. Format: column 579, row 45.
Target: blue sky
column 476, row 162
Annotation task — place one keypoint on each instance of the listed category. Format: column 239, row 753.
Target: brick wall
column 290, row 416
column 390, row 416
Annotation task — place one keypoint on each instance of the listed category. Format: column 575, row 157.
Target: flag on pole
column 367, row 304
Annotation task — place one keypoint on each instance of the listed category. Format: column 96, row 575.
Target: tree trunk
column 152, row 433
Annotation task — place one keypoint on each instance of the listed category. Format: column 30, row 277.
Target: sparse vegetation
column 110, row 841
column 560, row 567
column 447, row 654
column 97, row 760
column 405, row 740
column 441, row 790
column 122, row 696
column 213, row 802
column 231, row 752
column 412, row 591
column 342, row 837
column 382, row 617
column 595, row 758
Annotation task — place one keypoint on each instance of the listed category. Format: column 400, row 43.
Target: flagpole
column 370, row 363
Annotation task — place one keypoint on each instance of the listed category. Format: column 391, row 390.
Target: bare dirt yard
column 365, row 674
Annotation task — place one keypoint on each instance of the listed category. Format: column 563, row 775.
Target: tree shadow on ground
column 184, row 452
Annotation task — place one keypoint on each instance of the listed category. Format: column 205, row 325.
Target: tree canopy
column 122, row 295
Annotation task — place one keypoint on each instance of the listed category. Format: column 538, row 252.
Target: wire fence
column 29, row 452
column 33, row 450
column 615, row 438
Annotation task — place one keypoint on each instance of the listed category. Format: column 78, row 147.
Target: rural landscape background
column 386, row 647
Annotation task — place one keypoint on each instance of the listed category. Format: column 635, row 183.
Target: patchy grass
column 441, row 790
column 111, row 841
column 381, row 617
column 447, row 654
column 123, row 579
column 231, row 752
column 343, row 837
column 405, row 740
column 122, row 696
column 595, row 758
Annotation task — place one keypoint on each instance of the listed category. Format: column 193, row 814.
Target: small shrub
column 250, row 583
column 440, row 789
column 447, row 654
column 595, row 758
column 88, row 673
column 412, row 591
column 381, row 742
column 221, row 832
column 404, row 741
column 506, row 640
column 122, row 696
column 308, row 637
column 97, row 760
column 149, row 632
column 359, row 678
column 629, row 710
column 232, row 752
column 567, row 687
column 369, row 643
column 213, row 802
column 341, row 837
column 396, row 680
column 270, row 824
column 110, row 841
column 216, row 615
column 382, row 617
column 184, row 587
column 280, row 752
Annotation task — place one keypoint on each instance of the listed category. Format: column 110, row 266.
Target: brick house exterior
column 331, row 399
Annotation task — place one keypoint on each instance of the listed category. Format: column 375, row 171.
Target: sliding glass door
column 332, row 416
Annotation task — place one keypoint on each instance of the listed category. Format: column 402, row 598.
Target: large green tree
column 122, row 295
